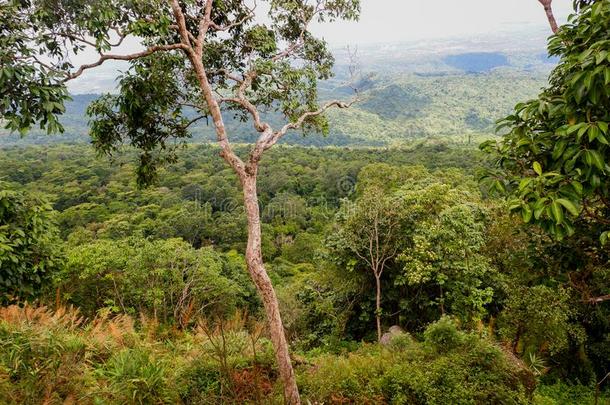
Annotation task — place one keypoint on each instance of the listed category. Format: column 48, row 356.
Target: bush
column 53, row 357
column 137, row 376
column 564, row 394
column 165, row 279
column 449, row 367
column 30, row 251
column 443, row 335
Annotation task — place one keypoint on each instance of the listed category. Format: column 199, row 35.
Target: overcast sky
column 404, row 20
column 384, row 21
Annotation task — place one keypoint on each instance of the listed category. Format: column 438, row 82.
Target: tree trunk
column 378, row 307
column 256, row 268
column 548, row 9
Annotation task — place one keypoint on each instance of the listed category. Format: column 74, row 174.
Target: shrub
column 29, row 245
column 449, row 367
column 137, row 376
column 564, row 394
column 443, row 335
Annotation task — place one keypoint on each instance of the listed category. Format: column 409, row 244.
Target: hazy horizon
column 411, row 20
column 398, row 21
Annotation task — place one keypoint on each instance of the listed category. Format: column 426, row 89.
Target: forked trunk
column 256, row 268
column 378, row 307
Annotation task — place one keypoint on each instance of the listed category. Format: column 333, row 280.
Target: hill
column 452, row 88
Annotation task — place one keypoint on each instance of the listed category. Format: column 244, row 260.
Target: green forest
column 244, row 222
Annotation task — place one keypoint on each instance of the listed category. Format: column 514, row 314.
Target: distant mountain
column 408, row 90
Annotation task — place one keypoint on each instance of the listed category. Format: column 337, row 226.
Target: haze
column 404, row 20
column 390, row 21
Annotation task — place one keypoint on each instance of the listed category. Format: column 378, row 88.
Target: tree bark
column 548, row 9
column 256, row 268
column 378, row 307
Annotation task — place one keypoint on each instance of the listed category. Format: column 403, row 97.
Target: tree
column 201, row 58
column 370, row 228
column 166, row 280
column 445, row 252
column 553, row 161
column 29, row 245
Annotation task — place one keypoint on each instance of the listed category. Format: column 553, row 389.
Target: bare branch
column 121, row 38
column 190, row 35
column 195, row 56
column 104, row 57
column 276, row 136
column 182, row 29
column 242, row 100
column 227, row 74
column 204, row 26
column 77, row 39
column 194, row 120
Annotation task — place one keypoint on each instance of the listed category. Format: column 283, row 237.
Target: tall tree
column 200, row 58
column 371, row 229
column 553, row 159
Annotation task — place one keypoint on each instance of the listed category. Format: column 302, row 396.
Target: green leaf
column 583, row 130
column 594, row 158
column 526, row 213
column 576, row 127
column 557, row 212
column 559, row 148
column 537, row 168
column 570, row 206
column 524, row 183
column 594, row 132
column 577, row 187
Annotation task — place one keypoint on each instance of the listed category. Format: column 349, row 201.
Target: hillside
column 446, row 88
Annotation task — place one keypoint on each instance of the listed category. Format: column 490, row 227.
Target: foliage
column 317, row 307
column 29, row 92
column 447, row 235
column 552, row 163
column 29, row 245
column 552, row 167
column 167, row 280
column 538, row 317
column 419, row 374
column 273, row 66
column 115, row 233
column 54, row 356
column 566, row 394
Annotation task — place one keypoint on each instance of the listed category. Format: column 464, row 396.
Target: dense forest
column 111, row 250
column 241, row 220
column 395, row 108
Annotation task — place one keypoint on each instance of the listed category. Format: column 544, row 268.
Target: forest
column 362, row 243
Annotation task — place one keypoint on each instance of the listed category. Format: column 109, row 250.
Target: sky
column 384, row 21
column 405, row 20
